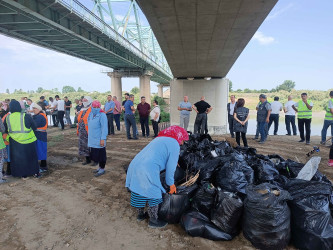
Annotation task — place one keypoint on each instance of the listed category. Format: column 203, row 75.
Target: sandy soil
column 68, row 208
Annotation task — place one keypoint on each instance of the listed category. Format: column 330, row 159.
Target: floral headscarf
column 96, row 104
column 175, row 132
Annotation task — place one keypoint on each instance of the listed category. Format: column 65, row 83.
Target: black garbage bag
column 266, row 222
column 188, row 160
column 311, row 223
column 264, row 171
column 223, row 148
column 173, row 206
column 206, row 167
column 203, row 199
column 197, row 224
column 234, row 176
column 179, row 178
column 189, row 191
column 227, row 211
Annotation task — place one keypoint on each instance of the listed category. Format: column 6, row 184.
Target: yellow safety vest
column 329, row 115
column 303, row 111
column 17, row 129
column 2, row 143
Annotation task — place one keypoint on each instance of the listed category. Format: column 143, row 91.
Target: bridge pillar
column 116, row 85
column 160, row 90
column 216, row 92
column 145, row 86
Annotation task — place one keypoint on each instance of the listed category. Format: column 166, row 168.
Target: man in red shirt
column 144, row 110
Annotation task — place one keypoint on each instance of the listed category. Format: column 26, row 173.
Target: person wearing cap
column 22, row 140
column 82, row 130
column 304, row 116
column 97, row 133
column 263, row 113
column 143, row 174
column 41, row 122
column 276, row 107
column 328, row 120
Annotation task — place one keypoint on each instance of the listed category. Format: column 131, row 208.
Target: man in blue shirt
column 108, row 109
column 185, row 108
column 130, row 118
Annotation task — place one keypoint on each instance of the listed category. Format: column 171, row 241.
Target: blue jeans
column 274, row 118
column 68, row 117
column 130, row 121
column 327, row 123
column 117, row 121
column 257, row 130
column 290, row 119
column 262, row 130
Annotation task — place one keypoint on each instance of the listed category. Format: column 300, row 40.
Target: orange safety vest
column 4, row 136
column 85, row 120
column 43, row 129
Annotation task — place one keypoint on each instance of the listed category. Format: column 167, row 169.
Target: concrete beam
column 145, row 86
column 160, row 90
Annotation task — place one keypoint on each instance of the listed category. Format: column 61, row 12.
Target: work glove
column 173, row 189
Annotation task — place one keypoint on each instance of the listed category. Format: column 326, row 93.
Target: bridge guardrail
column 80, row 10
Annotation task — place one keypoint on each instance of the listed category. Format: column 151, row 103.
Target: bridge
column 200, row 39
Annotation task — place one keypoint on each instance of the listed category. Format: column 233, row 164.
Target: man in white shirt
column 274, row 116
column 155, row 116
column 231, row 108
column 60, row 106
column 290, row 116
column 30, row 109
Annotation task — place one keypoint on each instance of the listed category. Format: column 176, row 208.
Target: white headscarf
column 87, row 104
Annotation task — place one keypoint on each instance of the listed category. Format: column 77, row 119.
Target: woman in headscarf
column 40, row 120
column 22, row 139
column 143, row 174
column 97, row 133
column 3, row 151
column 82, row 129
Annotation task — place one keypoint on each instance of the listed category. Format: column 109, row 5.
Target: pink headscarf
column 174, row 132
column 96, row 104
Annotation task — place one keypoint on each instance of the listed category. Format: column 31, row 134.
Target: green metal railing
column 88, row 16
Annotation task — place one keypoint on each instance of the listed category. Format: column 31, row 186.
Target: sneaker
column 330, row 163
column 142, row 217
column 100, row 172
column 3, row 180
column 301, row 141
column 307, row 143
column 156, row 223
column 262, row 142
column 96, row 170
column 255, row 138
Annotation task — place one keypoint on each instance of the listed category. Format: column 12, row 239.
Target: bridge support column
column 116, row 85
column 145, row 86
column 216, row 92
column 160, row 90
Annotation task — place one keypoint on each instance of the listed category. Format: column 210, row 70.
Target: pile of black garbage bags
column 240, row 190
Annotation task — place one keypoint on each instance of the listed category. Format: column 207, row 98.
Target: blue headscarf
column 14, row 106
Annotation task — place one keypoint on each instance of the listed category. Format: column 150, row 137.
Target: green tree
column 239, row 91
column 247, row 90
column 287, row 85
column 7, row 91
column 68, row 89
column 230, row 86
column 80, row 89
column 135, row 90
column 39, row 90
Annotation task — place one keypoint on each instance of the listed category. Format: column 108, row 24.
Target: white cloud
column 262, row 39
column 280, row 11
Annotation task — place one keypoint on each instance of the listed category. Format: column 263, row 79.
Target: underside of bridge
column 203, row 39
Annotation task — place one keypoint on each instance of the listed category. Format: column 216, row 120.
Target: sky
column 295, row 42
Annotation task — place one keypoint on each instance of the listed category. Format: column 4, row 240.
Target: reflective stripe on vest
column 303, row 111
column 43, row 129
column 329, row 115
column 17, row 129
column 85, row 119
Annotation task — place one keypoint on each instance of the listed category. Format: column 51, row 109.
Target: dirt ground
column 68, row 208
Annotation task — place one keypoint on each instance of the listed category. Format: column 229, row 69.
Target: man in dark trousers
column 203, row 109
column 231, row 108
column 144, row 110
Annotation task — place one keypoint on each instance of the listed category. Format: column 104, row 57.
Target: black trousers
column 243, row 138
column 274, row 118
column 55, row 120
column 307, row 124
column 331, row 152
column 61, row 118
column 231, row 124
column 144, row 125
column 290, row 119
column 155, row 127
column 110, row 124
